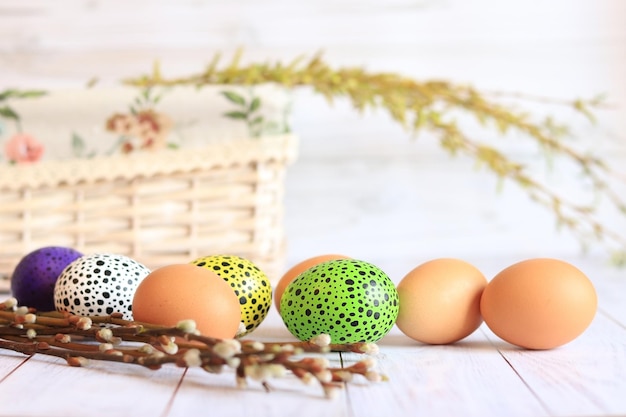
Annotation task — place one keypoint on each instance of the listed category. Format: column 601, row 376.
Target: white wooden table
column 478, row 376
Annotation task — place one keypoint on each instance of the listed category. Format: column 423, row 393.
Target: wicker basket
column 166, row 207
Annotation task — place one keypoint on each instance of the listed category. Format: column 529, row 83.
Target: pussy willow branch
column 433, row 106
column 579, row 219
column 72, row 338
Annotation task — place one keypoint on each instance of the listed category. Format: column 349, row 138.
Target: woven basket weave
column 166, row 207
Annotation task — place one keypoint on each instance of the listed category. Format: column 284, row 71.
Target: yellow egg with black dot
column 250, row 284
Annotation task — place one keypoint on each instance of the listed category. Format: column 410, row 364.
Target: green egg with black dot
column 348, row 299
column 249, row 283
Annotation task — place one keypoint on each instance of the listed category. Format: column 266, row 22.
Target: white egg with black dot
column 98, row 285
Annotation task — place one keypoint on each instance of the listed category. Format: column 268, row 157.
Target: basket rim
column 222, row 153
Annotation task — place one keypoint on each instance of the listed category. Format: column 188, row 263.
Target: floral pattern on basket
column 143, row 126
column 23, row 148
column 144, row 130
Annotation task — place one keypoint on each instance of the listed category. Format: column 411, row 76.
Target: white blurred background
column 362, row 186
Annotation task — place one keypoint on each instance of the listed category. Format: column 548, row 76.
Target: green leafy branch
column 248, row 111
column 147, row 99
column 436, row 106
column 7, row 111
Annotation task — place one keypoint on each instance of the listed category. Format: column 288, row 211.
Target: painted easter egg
column 348, row 299
column 33, row 279
column 296, row 270
column 250, row 284
column 99, row 284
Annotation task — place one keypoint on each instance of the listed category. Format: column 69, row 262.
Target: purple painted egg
column 34, row 277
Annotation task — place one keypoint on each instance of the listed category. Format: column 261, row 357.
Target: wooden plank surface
column 478, row 376
column 467, row 378
column 100, row 389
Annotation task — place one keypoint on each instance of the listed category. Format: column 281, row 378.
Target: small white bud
column 373, row 376
column 321, row 362
column 30, row 318
column 307, row 378
column 321, row 340
column 170, row 348
column 63, row 338
column 324, row 375
column 157, row 354
column 251, row 371
column 31, row 333
column 105, row 334
column 77, row 361
column 192, row 358
column 370, row 349
column 146, row 348
column 257, row 372
column 344, row 375
column 258, row 346
column 103, row 347
column 187, row 326
column 84, row 323
column 21, row 311
column 227, row 348
column 276, row 370
column 233, row 362
column 10, row 302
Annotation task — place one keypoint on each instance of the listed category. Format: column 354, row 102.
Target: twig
column 434, row 105
column 80, row 339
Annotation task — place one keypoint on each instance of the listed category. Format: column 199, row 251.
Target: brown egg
column 179, row 292
column 440, row 301
column 296, row 270
column 539, row 303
